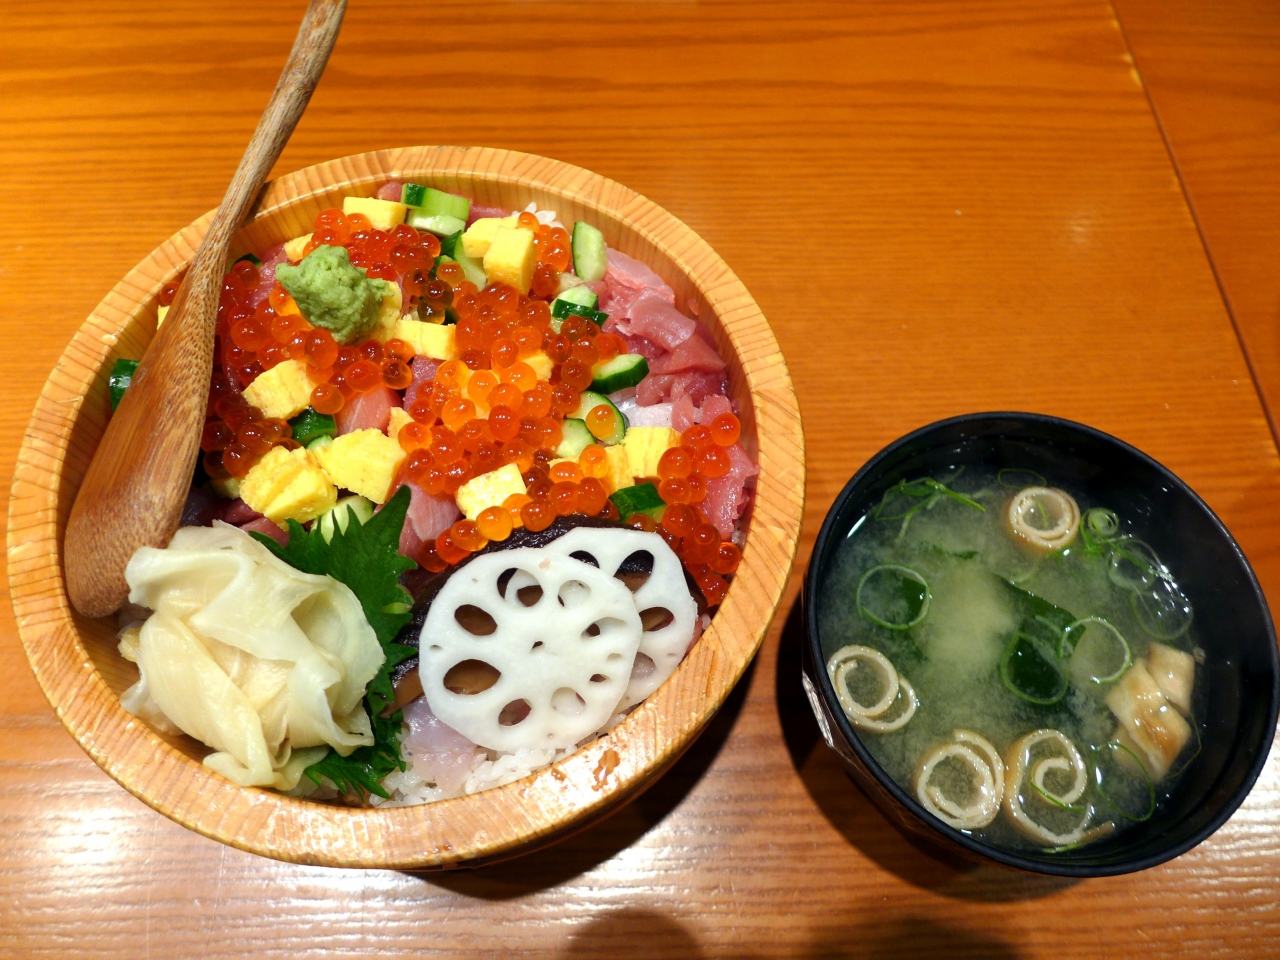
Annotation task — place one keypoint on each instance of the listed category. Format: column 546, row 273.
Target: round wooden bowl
column 75, row 659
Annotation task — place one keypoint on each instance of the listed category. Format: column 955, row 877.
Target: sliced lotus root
column 528, row 649
column 667, row 609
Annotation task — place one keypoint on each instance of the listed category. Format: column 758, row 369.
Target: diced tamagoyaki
column 1148, row 718
column 399, row 420
column 363, row 461
column 645, row 447
column 511, row 258
column 619, row 468
column 293, row 248
column 477, row 237
column 489, row 490
column 282, row 392
column 541, row 364
column 288, row 485
column 383, row 214
column 434, row 340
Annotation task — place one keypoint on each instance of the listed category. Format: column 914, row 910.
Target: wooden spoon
column 134, row 491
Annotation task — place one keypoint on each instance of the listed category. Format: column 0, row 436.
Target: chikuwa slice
column 526, row 649
column 667, row 610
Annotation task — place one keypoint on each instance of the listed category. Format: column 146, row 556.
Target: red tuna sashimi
column 428, row 517
column 424, row 371
column 271, row 258
column 645, row 348
column 440, row 753
column 628, row 275
column 653, row 389
column 713, row 406
column 480, row 212
column 727, row 496
column 237, row 513
column 652, row 317
column 693, row 354
column 683, row 414
column 263, row 525
column 390, row 191
column 367, row 411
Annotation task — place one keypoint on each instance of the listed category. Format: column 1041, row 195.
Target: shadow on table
column 849, row 810
column 601, row 840
column 632, row 935
column 907, row 937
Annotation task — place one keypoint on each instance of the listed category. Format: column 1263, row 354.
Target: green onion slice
column 1163, row 610
column 1030, row 675
column 893, row 596
column 1101, row 522
column 1017, row 479
column 1097, row 650
column 1135, row 566
column 1131, row 797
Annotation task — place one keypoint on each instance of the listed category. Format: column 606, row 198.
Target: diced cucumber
column 619, row 373
column 575, row 438
column 567, row 282
column 589, row 259
column 308, row 425
column 323, row 440
column 249, row 257
column 432, row 201
column 340, row 514
column 642, row 498
column 579, row 296
column 591, row 400
column 441, row 224
column 450, row 243
column 563, row 309
column 121, row 377
column 471, row 269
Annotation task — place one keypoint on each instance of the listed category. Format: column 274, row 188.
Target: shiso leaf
column 366, row 557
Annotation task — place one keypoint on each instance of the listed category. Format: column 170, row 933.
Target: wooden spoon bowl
column 75, row 658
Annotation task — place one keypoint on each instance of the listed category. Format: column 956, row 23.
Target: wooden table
column 921, row 195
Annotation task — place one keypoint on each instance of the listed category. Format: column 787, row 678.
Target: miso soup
column 1016, row 657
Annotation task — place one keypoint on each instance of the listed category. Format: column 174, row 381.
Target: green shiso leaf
column 366, row 557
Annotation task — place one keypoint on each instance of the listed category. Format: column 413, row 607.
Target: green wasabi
column 333, row 294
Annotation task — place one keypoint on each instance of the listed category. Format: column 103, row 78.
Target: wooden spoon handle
column 134, row 490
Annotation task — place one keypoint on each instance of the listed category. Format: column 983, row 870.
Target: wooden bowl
column 75, row 659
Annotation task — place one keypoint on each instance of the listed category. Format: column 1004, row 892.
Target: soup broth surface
column 984, row 590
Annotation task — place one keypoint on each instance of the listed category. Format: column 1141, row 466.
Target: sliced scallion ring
column 1145, row 793
column 1135, row 566
column 893, row 596
column 1017, row 478
column 1029, row 674
column 1097, row 650
column 1101, row 522
column 1162, row 610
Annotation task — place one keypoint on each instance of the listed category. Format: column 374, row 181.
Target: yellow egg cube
column 383, row 214
column 542, row 365
column 645, row 447
column 619, row 468
column 161, row 313
column 364, row 462
column 293, row 248
column 489, row 490
column 399, row 420
column 282, row 392
column 288, row 485
column 478, row 237
column 511, row 258
column 434, row 340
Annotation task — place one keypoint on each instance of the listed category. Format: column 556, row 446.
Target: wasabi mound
column 333, row 294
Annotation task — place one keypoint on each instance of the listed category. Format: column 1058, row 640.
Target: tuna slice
column 727, row 496
column 236, row 512
column 440, row 753
column 713, row 406
column 683, row 413
column 693, row 354
column 481, row 212
column 263, row 525
column 428, row 517
column 367, row 411
column 390, row 190
column 624, row 281
column 424, row 371
column 646, row 349
column 653, row 389
column 655, row 319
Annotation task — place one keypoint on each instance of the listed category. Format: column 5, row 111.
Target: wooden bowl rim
column 498, row 822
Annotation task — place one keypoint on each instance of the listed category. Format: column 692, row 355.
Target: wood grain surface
column 922, row 196
column 1213, row 74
